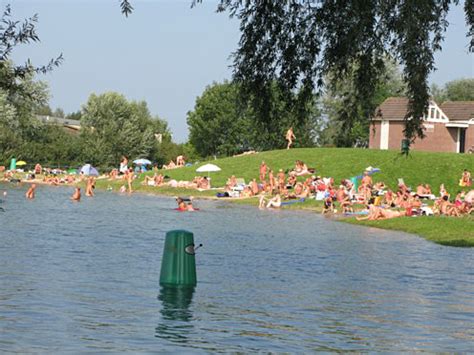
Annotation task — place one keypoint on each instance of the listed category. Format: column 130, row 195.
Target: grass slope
column 341, row 163
column 457, row 232
column 418, row 167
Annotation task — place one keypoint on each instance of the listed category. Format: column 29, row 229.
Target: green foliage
column 216, row 126
column 12, row 34
column 112, row 127
column 221, row 125
column 456, row 90
column 347, row 124
column 460, row 90
column 299, row 42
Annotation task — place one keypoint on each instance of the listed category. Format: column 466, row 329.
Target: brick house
column 448, row 128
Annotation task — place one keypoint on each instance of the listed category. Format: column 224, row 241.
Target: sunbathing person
column 341, row 194
column 346, row 205
column 38, row 169
column 180, row 162
column 149, row 180
column 298, row 189
column 231, row 183
column 272, row 182
column 465, row 179
column 275, row 202
column 171, row 165
column 444, row 207
column 442, row 191
column 379, row 213
column 302, row 169
column 203, row 183
column 246, row 192
column 366, row 179
column 281, row 178
column 254, row 187
column 113, row 174
column 30, row 194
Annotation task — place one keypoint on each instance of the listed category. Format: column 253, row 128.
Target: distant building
column 72, row 126
column 448, row 128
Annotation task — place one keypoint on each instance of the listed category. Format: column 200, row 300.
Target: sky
column 164, row 53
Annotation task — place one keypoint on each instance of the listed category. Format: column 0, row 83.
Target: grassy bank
column 458, row 232
column 419, row 167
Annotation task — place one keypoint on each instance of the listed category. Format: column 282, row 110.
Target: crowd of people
column 375, row 198
column 364, row 196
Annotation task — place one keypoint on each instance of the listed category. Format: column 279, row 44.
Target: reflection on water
column 175, row 313
column 80, row 277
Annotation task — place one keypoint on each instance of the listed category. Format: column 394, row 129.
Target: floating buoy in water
column 178, row 266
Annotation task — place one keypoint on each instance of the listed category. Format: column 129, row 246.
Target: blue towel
column 292, row 202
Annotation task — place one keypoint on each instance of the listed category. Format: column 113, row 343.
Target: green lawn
column 340, row 163
column 418, row 167
column 451, row 231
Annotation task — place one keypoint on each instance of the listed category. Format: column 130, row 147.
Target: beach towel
column 285, row 203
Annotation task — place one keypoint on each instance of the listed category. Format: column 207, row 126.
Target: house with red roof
column 448, row 127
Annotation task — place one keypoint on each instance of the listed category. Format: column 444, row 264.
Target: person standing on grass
column 263, row 171
column 123, row 165
column 289, row 137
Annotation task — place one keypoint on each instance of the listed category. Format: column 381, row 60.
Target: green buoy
column 178, row 266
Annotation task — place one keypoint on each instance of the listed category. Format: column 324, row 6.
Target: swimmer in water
column 30, row 194
column 181, row 204
column 77, row 194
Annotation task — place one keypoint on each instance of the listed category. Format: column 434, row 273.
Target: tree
column 456, row 90
column 460, row 90
column 298, row 42
column 112, row 127
column 12, row 34
column 347, row 124
column 18, row 124
column 216, row 127
column 221, row 125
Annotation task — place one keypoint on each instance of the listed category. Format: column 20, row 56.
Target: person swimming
column 30, row 194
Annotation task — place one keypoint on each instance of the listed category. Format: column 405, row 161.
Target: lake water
column 85, row 277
